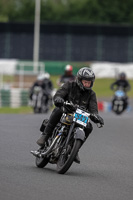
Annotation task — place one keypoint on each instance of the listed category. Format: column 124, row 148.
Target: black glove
column 58, row 101
column 97, row 119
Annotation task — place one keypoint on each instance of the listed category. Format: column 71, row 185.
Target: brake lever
column 70, row 104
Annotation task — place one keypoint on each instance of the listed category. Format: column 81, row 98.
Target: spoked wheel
column 66, row 159
column 119, row 110
column 41, row 162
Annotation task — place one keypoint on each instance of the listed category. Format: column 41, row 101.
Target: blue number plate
column 81, row 117
column 119, row 93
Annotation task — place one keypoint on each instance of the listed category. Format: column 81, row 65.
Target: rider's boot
column 45, row 135
column 41, row 141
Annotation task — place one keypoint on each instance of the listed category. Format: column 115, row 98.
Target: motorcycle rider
column 78, row 92
column 67, row 76
column 43, row 81
column 121, row 83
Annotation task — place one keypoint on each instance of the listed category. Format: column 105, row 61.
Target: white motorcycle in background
column 41, row 101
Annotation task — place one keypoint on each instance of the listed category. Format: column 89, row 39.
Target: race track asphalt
column 105, row 172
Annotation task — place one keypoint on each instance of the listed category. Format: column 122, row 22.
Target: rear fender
column 79, row 134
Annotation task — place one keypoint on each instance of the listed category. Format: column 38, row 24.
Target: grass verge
column 101, row 86
column 20, row 110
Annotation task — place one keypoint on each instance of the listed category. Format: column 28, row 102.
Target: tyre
column 41, row 162
column 36, row 110
column 65, row 160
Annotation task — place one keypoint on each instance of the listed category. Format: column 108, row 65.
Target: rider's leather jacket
column 70, row 91
column 123, row 84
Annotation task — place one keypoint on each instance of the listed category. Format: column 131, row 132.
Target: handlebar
column 72, row 107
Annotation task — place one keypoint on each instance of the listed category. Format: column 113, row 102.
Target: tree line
column 69, row 11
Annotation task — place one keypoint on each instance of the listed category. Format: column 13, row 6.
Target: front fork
column 69, row 135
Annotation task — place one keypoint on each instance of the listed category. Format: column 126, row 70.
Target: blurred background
column 45, row 35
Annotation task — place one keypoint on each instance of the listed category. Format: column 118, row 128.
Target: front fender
column 79, row 134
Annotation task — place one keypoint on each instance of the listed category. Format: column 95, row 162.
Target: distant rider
column 122, row 84
column 43, row 81
column 67, row 76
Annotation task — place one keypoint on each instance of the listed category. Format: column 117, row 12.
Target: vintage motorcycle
column 67, row 138
column 41, row 101
column 119, row 101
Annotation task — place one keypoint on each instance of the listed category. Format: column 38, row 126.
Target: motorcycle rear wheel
column 65, row 161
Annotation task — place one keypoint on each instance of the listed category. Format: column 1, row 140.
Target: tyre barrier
column 14, row 97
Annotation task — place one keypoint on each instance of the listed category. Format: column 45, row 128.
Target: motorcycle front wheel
column 66, row 159
column 41, row 162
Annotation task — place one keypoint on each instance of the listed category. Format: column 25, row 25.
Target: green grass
column 101, row 86
column 21, row 110
column 54, row 80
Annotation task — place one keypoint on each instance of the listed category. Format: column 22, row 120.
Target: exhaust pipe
column 43, row 154
column 50, row 148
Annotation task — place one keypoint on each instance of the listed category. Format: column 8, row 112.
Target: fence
column 15, row 93
column 68, row 42
column 26, row 73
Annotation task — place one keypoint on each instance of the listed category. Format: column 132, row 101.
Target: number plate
column 119, row 93
column 81, row 117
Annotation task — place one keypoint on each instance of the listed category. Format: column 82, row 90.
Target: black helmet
column 122, row 75
column 85, row 73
